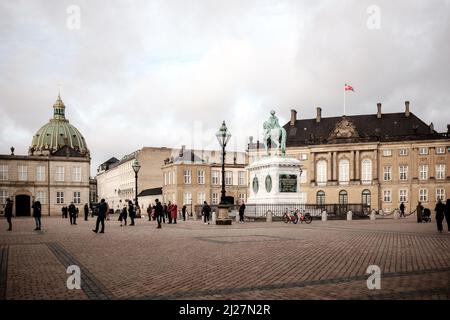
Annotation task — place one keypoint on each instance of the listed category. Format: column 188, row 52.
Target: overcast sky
column 166, row 73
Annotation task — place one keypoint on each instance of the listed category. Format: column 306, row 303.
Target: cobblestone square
column 254, row 260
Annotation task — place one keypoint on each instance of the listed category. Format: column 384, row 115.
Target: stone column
column 357, row 166
column 413, row 172
column 375, row 165
column 432, row 164
column 313, row 167
column 329, row 164
column 352, row 165
column 335, row 174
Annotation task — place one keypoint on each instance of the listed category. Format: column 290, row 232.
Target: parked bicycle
column 289, row 217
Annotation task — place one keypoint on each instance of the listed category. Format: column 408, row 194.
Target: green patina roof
column 58, row 132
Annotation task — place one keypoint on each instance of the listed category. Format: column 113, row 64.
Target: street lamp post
column 136, row 166
column 223, row 136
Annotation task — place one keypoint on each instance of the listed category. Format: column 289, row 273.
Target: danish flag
column 348, row 88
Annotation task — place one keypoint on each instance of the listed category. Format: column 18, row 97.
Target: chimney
column 319, row 114
column 448, row 129
column 406, row 108
column 182, row 151
column 293, row 117
column 379, row 110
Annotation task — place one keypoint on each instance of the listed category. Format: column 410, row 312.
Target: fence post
column 324, row 215
column 269, row 216
column 372, row 215
column 237, row 218
column 349, row 215
column 396, row 214
column 214, row 217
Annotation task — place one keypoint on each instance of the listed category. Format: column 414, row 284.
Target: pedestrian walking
column 402, row 210
column 72, row 214
column 169, row 212
column 102, row 208
column 447, row 214
column 159, row 212
column 131, row 212
column 419, row 211
column 183, row 211
column 8, row 213
column 86, row 212
column 37, row 214
column 124, row 216
column 206, row 210
column 77, row 211
column 174, row 212
column 241, row 212
column 149, row 212
column 440, row 210
column 166, row 211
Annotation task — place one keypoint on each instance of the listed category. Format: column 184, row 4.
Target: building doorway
column 23, row 206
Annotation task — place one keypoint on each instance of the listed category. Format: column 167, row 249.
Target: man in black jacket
column 8, row 212
column 101, row 216
column 159, row 213
column 37, row 214
column 440, row 209
column 72, row 213
column 206, row 210
column 86, row 212
column 131, row 212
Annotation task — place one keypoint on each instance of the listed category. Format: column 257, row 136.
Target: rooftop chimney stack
column 293, row 117
column 448, row 129
column 379, row 110
column 319, row 114
column 406, row 108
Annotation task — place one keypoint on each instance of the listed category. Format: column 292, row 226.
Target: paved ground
column 255, row 260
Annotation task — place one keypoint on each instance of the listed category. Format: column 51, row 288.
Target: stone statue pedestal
column 222, row 217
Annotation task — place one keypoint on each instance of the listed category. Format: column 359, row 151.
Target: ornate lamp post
column 223, row 135
column 136, row 166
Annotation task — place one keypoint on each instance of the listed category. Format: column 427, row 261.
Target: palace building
column 55, row 171
column 376, row 160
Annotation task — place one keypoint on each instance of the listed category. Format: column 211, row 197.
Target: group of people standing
column 169, row 212
column 442, row 211
column 127, row 211
column 72, row 212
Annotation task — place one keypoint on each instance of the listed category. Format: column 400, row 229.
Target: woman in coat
column 440, row 209
column 131, row 212
column 174, row 212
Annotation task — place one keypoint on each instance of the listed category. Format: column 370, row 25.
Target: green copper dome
column 57, row 134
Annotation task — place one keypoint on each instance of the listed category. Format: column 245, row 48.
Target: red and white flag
column 348, row 87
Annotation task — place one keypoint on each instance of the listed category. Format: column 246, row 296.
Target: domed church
column 56, row 170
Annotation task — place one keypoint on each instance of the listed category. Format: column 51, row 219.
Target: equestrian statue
column 274, row 135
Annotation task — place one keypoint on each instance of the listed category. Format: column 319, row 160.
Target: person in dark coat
column 102, row 207
column 131, row 212
column 124, row 215
column 447, row 214
column 159, row 212
column 183, row 211
column 241, row 212
column 419, row 211
column 169, row 211
column 8, row 213
column 206, row 210
column 86, row 212
column 72, row 214
column 402, row 210
column 165, row 211
column 440, row 209
column 37, row 214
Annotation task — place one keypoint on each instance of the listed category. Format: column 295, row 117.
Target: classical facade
column 116, row 178
column 194, row 176
column 378, row 160
column 55, row 171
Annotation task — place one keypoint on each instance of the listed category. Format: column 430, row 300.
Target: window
column 423, row 150
column 241, row 178
column 187, row 177
column 215, row 177
column 3, row 196
column 423, row 172
column 366, row 198
column 440, row 150
column 304, row 177
column 59, row 174
column 3, row 172
column 403, row 195
column 387, row 176
column 77, row 197
column 344, row 168
column 403, row 152
column 59, row 197
column 387, row 153
column 320, row 198
column 403, row 173
column 23, row 172
column 242, row 197
column 343, row 197
column 366, row 176
column 40, row 174
column 321, row 172
column 440, row 194
column 187, row 198
column 387, row 196
column 228, row 178
column 215, row 198
column 76, row 174
column 302, row 197
column 201, row 176
column 200, row 197
column 303, row 156
column 40, row 196
column 440, row 171
column 423, row 195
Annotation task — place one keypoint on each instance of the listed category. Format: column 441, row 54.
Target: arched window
column 344, row 169
column 321, row 171
column 366, row 171
column 343, row 197
column 320, row 198
column 366, row 199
